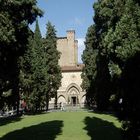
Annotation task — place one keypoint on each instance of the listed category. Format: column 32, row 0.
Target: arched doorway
column 73, row 96
column 61, row 99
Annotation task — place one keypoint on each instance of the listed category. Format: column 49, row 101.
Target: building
column 70, row 92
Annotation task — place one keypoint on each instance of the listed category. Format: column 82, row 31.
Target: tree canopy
column 52, row 57
column 15, row 18
column 116, row 30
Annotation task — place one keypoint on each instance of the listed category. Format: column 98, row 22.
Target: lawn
column 80, row 125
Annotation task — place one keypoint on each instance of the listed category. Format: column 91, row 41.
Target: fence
column 67, row 107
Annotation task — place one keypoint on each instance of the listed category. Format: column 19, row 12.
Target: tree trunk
column 55, row 104
column 47, row 102
column 16, row 91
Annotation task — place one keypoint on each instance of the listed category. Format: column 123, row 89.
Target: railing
column 67, row 107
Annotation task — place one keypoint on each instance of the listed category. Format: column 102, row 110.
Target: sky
column 67, row 15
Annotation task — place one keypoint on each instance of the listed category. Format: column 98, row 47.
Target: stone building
column 70, row 92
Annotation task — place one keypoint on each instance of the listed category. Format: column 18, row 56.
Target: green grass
column 61, row 126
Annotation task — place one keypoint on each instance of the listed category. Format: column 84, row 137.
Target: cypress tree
column 103, row 19
column 90, row 69
column 53, row 69
column 25, row 77
column 117, row 30
column 32, row 76
column 36, row 68
column 123, row 43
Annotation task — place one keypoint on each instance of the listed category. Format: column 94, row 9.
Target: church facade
column 70, row 92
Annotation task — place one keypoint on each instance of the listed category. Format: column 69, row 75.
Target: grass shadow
column 44, row 131
column 10, row 119
column 111, row 113
column 99, row 129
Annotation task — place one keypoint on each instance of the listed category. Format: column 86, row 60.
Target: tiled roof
column 61, row 37
column 78, row 67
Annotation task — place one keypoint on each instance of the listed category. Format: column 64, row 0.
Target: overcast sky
column 66, row 15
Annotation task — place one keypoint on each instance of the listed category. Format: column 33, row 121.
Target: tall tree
column 123, row 43
column 37, row 53
column 32, row 67
column 15, row 17
column 103, row 19
column 107, row 15
column 117, row 29
column 25, row 77
column 53, row 69
column 90, row 70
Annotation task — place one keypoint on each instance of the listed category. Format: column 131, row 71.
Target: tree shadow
column 99, row 129
column 111, row 113
column 44, row 131
column 11, row 119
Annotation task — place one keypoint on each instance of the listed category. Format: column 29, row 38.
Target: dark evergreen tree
column 103, row 19
column 90, row 70
column 107, row 15
column 37, row 53
column 53, row 69
column 32, row 71
column 117, row 30
column 15, row 17
column 123, row 43
column 25, row 77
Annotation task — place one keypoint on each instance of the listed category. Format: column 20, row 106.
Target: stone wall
column 71, row 87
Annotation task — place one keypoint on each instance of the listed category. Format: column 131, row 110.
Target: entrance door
column 73, row 100
column 73, row 96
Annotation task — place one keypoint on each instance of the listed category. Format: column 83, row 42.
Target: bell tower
column 72, row 47
column 68, row 47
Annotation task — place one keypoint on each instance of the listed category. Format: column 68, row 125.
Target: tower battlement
column 71, row 34
column 71, row 31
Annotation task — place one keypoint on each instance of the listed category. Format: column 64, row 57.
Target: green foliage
column 123, row 47
column 40, row 73
column 112, row 98
column 117, row 26
column 96, row 65
column 52, row 56
column 32, row 76
column 90, row 69
column 114, row 69
column 89, row 58
column 124, row 40
column 15, row 17
column 117, row 33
